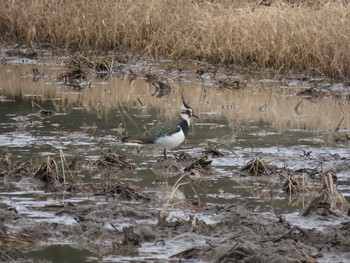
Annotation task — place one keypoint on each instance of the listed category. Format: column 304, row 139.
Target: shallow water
column 266, row 119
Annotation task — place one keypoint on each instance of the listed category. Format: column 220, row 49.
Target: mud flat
column 120, row 221
column 239, row 235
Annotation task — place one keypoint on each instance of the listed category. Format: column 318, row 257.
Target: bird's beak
column 194, row 115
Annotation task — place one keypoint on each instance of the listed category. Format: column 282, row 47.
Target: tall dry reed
column 312, row 36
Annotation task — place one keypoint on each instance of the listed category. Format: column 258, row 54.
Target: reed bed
column 311, row 36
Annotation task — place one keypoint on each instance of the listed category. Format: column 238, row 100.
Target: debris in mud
column 124, row 191
column 243, row 236
column 201, row 166
column 9, row 169
column 184, row 157
column 132, row 75
column 152, row 77
column 13, row 247
column 213, row 152
column 27, row 53
column 115, row 160
column 162, row 88
column 206, row 71
column 296, row 185
column 170, row 204
column 237, row 253
column 257, row 167
column 188, row 254
column 24, row 122
column 166, row 167
column 108, row 67
column 231, row 84
column 36, row 75
column 42, row 112
column 129, row 237
column 312, row 92
column 50, row 173
column 329, row 201
column 323, row 88
column 75, row 72
column 194, row 165
column 345, row 139
column 285, row 251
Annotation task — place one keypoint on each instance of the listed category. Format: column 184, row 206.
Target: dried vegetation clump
column 113, row 160
column 74, row 73
column 195, row 165
column 201, row 166
column 329, row 200
column 75, row 69
column 10, row 169
column 257, row 167
column 232, row 84
column 173, row 202
column 286, row 35
column 54, row 171
column 12, row 247
column 107, row 67
column 124, row 191
column 57, row 173
column 213, row 152
column 296, row 185
column 42, row 112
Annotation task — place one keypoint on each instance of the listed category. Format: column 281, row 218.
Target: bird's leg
column 165, row 157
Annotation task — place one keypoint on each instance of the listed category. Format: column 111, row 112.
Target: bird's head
column 186, row 111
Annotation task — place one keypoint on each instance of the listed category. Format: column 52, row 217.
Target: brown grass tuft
column 309, row 36
column 257, row 167
column 329, row 200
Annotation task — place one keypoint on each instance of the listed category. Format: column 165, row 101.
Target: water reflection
column 264, row 102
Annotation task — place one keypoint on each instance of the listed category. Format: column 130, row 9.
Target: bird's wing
column 151, row 135
column 166, row 128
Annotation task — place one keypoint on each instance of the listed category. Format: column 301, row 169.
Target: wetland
column 263, row 174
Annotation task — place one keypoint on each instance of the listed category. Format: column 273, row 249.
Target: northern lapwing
column 168, row 134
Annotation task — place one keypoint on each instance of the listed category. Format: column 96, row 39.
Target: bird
column 167, row 135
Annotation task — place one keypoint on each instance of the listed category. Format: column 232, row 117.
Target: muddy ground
column 125, row 219
column 241, row 235
column 121, row 219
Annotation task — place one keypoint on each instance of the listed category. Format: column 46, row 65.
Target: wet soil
column 116, row 219
column 112, row 218
column 240, row 234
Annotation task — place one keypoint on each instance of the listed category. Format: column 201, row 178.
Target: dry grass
column 55, row 173
column 329, row 200
column 12, row 247
column 172, row 202
column 257, row 167
column 310, row 36
column 113, row 160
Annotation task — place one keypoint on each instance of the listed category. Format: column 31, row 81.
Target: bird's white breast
column 171, row 141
